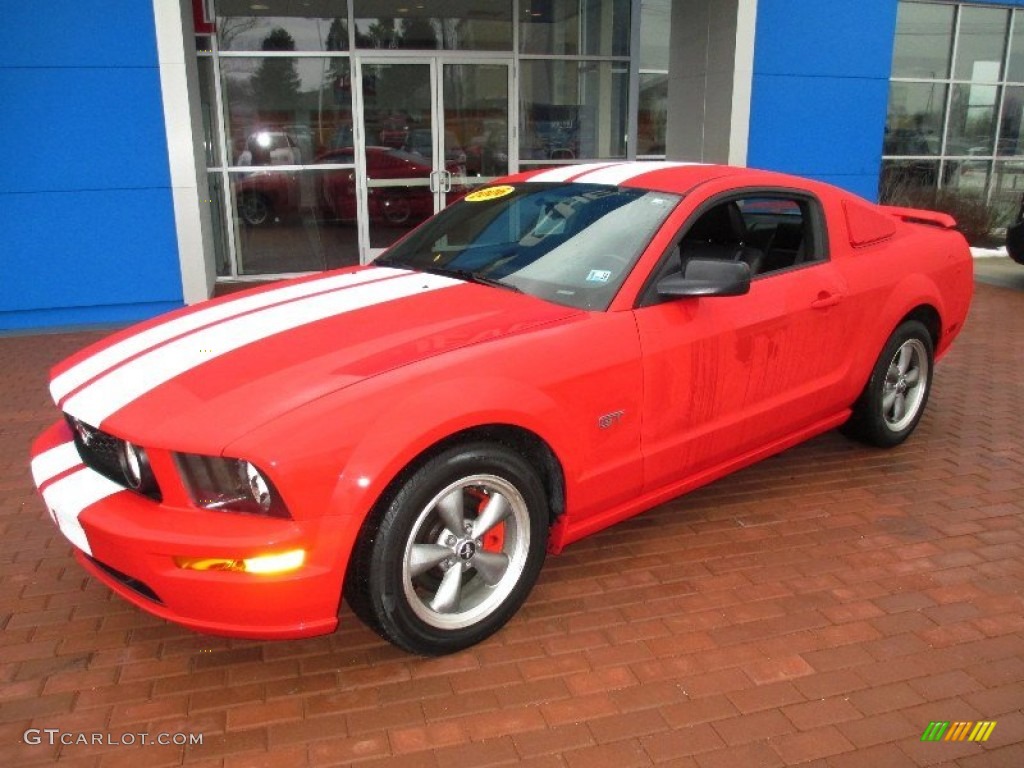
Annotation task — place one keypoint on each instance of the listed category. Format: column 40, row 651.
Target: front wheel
column 455, row 553
column 896, row 394
column 255, row 209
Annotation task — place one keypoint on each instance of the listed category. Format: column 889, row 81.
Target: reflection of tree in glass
column 275, row 84
column 337, row 36
column 383, row 34
column 418, row 33
column 230, row 28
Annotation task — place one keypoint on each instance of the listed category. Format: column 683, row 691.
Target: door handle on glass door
column 826, row 300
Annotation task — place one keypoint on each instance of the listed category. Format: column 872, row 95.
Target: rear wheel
column 896, row 394
column 255, row 209
column 455, row 553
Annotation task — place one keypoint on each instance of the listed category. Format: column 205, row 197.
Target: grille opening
column 101, row 452
column 136, row 586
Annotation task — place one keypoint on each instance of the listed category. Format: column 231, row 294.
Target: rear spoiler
column 920, row 216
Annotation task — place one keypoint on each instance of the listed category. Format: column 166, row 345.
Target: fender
column 411, row 426
column 913, row 291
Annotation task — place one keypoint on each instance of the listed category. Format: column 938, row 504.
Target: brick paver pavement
column 821, row 607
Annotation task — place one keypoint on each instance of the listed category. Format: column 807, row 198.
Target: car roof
column 659, row 176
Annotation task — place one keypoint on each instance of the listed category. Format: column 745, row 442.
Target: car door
column 727, row 376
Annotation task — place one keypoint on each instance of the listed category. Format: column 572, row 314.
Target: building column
column 710, row 74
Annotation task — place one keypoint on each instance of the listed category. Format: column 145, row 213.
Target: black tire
column 895, row 397
column 397, row 209
column 410, row 554
column 255, row 209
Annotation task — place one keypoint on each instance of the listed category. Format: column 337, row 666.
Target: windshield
column 572, row 244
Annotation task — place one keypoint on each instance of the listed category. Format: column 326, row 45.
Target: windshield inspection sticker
column 489, row 193
column 599, row 276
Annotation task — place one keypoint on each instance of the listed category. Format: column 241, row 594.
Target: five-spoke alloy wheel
column 455, row 552
column 896, row 394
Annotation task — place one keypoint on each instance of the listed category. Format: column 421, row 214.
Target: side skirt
column 568, row 531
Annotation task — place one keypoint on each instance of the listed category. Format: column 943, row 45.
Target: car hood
column 201, row 377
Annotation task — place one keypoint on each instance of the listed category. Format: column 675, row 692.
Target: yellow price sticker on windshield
column 489, row 193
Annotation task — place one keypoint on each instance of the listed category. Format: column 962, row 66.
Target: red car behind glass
column 265, row 196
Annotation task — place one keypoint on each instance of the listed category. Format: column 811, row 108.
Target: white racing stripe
column 115, row 354
column 121, row 386
column 617, row 174
column 564, row 172
column 52, row 462
column 67, row 497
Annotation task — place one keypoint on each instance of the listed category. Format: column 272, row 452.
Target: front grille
column 101, row 452
column 136, row 586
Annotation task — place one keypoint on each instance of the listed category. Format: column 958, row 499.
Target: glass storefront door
column 432, row 128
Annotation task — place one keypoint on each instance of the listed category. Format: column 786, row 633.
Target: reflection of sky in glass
column 242, row 33
column 313, row 73
column 655, row 24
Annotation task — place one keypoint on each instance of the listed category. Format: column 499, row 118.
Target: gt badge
column 610, row 419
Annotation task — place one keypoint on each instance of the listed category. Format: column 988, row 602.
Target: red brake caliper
column 494, row 539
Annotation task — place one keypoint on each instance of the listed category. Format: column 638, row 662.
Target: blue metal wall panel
column 77, row 33
column 93, row 249
column 820, row 89
column 89, row 233
column 82, row 128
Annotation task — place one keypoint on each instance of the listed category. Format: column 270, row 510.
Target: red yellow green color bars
column 958, row 731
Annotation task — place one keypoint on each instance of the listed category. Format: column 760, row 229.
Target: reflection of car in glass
column 487, row 154
column 394, row 205
column 421, row 142
column 263, row 197
column 394, row 131
column 554, row 354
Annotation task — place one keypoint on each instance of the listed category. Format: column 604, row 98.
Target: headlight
column 133, row 462
column 232, row 485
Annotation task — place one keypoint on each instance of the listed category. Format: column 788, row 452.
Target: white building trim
column 743, row 81
column 178, row 78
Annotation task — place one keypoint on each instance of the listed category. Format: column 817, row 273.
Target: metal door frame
column 436, row 63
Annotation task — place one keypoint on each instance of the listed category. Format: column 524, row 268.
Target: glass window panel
column 913, row 125
column 652, row 114
column 903, row 182
column 1015, row 71
column 285, row 110
column 924, row 38
column 222, row 261
column 312, row 25
column 1010, row 138
column 285, row 221
column 208, row 105
column 572, row 110
column 1007, row 189
column 655, row 28
column 966, row 176
column 575, row 27
column 972, row 119
column 464, row 25
column 981, row 44
column 476, row 131
column 397, row 106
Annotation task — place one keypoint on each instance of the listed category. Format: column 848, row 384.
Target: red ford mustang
column 551, row 355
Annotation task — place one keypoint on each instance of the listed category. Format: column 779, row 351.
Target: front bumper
column 130, row 542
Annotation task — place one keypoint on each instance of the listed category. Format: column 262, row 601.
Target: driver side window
column 770, row 232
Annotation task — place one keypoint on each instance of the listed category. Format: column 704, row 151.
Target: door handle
column 433, row 182
column 446, row 181
column 826, row 300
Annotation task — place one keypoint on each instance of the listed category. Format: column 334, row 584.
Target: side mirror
column 707, row 277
